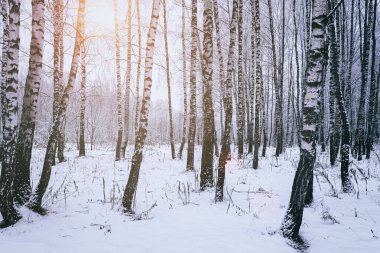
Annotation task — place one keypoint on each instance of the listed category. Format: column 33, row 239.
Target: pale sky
column 100, row 27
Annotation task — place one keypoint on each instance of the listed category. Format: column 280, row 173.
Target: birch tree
column 184, row 127
column 82, row 145
column 138, row 66
column 118, row 84
column 36, row 198
column 127, row 82
column 207, row 161
column 373, row 89
column 57, row 59
column 280, row 97
column 10, row 127
column 21, row 184
column 297, row 107
column 227, row 107
column 240, row 88
column 193, row 88
column 276, row 83
column 310, row 111
column 4, row 62
column 259, row 81
column 345, row 142
column 172, row 148
column 360, row 132
column 130, row 188
column 58, row 74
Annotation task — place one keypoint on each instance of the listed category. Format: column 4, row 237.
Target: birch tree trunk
column 297, row 110
column 193, row 88
column 4, row 64
column 345, row 145
column 275, row 71
column 310, row 110
column 373, row 89
column 228, row 108
column 7, row 209
column 348, row 89
column 220, row 58
column 61, row 133
column 259, row 81
column 184, row 128
column 130, row 188
column 82, row 145
column 332, row 127
column 207, row 161
column 359, row 143
column 221, row 67
column 253, row 82
column 118, row 83
column 127, row 82
column 279, row 104
column 168, row 80
column 21, row 184
column 240, row 88
column 36, row 199
column 263, row 120
column 138, row 67
column 57, row 77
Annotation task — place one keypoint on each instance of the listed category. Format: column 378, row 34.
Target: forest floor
column 172, row 215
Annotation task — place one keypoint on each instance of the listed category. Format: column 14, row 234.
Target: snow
column 85, row 218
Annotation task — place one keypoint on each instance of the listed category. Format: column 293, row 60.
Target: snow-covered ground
column 84, row 198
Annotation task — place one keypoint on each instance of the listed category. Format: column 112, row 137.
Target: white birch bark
column 10, row 118
column 130, row 188
column 25, row 138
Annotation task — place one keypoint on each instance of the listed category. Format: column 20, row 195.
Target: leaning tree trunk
column 240, row 88
column 4, row 62
column 259, row 81
column 208, row 109
column 184, row 128
column 21, row 185
column 36, row 199
column 7, row 209
column 193, row 88
column 310, row 110
column 227, row 107
column 82, row 146
column 127, row 82
column 373, row 93
column 138, row 67
column 168, row 80
column 118, row 81
column 130, row 189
